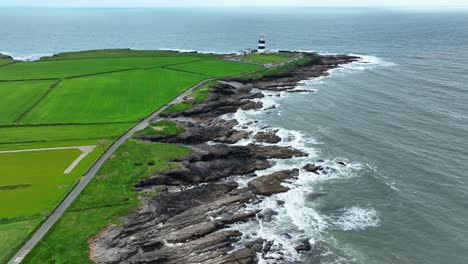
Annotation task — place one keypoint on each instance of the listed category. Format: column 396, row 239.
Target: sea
column 391, row 130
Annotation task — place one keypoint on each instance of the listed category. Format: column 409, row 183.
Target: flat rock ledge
column 188, row 222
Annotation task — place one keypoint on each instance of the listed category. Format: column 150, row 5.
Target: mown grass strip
column 29, row 134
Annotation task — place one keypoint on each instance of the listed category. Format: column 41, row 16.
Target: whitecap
column 355, row 218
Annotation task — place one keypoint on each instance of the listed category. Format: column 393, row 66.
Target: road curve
column 79, row 187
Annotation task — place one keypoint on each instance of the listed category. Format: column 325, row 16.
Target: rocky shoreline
column 188, row 222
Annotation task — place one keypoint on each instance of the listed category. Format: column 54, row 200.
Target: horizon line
column 246, row 6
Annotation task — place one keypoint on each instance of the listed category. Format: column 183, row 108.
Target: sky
column 191, row 3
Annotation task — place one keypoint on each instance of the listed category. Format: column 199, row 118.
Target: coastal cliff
column 190, row 220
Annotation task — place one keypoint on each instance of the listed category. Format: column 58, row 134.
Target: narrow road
column 73, row 194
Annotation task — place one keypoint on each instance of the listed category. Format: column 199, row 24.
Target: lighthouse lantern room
column 261, row 44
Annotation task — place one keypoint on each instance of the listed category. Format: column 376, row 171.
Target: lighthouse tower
column 261, row 44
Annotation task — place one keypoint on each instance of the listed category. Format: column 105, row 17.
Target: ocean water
column 398, row 119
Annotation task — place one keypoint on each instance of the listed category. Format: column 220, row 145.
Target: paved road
column 73, row 194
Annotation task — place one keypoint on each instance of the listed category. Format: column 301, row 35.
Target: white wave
column 355, row 218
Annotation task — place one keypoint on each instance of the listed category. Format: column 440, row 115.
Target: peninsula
column 162, row 192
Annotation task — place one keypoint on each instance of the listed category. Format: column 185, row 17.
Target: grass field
column 23, row 94
column 109, row 195
column 18, row 134
column 5, row 61
column 216, row 68
column 115, row 97
column 37, row 187
column 13, row 234
column 79, row 67
column 110, row 53
column 268, row 58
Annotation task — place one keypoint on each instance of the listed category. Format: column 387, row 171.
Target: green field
column 109, row 195
column 37, row 187
column 13, row 234
column 109, row 53
column 22, row 134
column 116, row 97
column 5, row 61
column 268, row 58
column 216, row 68
column 24, row 94
column 79, row 67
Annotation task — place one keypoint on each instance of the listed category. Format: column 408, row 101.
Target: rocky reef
column 188, row 222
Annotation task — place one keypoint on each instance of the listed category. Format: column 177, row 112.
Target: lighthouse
column 261, row 44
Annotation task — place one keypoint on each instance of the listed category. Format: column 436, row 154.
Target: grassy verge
column 198, row 95
column 161, row 128
column 109, row 196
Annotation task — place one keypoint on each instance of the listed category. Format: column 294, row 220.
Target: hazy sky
column 141, row 3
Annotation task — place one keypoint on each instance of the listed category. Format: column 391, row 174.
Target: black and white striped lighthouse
column 261, row 44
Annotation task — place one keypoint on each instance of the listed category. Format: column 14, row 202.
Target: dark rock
column 304, row 245
column 279, row 202
column 267, row 215
column 251, row 105
column 342, row 163
column 268, row 137
column 270, row 184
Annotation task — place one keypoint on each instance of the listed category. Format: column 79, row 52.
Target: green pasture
column 13, row 234
column 216, row 68
column 115, row 97
column 39, row 178
column 268, row 58
column 109, row 196
column 109, row 53
column 5, row 61
column 55, row 69
column 17, row 97
column 23, row 134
